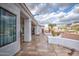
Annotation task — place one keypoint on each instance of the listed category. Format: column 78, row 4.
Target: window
column 7, row 27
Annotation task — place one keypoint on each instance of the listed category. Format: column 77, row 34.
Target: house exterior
column 16, row 20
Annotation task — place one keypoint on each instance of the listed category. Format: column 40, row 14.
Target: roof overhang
column 27, row 14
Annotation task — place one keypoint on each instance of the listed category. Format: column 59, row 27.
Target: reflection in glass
column 7, row 27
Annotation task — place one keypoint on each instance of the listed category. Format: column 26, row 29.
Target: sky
column 55, row 13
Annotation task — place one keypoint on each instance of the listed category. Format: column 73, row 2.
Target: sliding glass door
column 7, row 27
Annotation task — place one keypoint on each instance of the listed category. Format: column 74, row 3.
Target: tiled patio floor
column 40, row 47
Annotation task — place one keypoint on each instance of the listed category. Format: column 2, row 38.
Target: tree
column 52, row 25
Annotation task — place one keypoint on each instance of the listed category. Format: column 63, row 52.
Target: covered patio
column 39, row 46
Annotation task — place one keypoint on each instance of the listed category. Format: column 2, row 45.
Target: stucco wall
column 38, row 30
column 14, row 47
column 69, row 43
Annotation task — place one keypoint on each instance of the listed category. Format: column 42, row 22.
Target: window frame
column 15, row 25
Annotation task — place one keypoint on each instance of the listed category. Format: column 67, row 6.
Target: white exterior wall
column 40, row 30
column 14, row 47
column 70, row 43
column 27, row 30
column 37, row 30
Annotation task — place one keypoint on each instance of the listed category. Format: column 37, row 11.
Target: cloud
column 39, row 8
column 71, row 17
column 51, row 18
column 76, row 9
column 32, row 6
column 53, row 15
column 43, row 8
column 55, row 12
